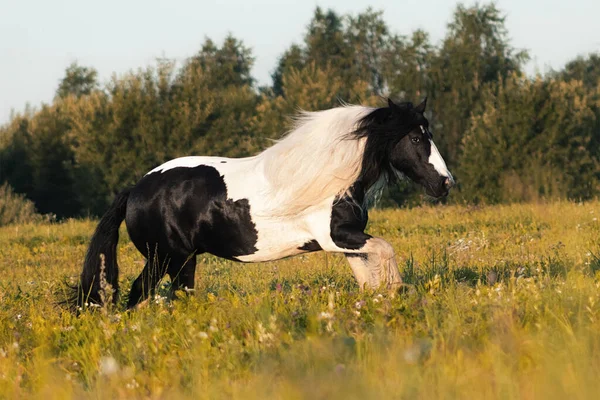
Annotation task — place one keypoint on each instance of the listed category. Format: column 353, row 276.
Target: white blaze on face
column 435, row 159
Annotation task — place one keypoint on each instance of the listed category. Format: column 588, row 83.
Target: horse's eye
column 416, row 140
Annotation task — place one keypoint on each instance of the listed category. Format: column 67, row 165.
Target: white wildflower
column 325, row 315
column 132, row 385
column 108, row 366
column 262, row 334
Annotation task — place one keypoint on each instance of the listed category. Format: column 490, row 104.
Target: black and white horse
column 308, row 192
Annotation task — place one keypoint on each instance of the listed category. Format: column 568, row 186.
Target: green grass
column 501, row 302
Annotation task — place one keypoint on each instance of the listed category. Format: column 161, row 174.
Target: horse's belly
column 278, row 239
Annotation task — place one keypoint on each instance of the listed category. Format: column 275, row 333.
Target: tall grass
column 499, row 302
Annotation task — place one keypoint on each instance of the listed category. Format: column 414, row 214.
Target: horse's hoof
column 141, row 304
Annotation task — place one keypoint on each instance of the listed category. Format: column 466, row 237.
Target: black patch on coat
column 223, row 162
column 184, row 211
column 311, row 245
column 348, row 220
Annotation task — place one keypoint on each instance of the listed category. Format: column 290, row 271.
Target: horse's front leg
column 374, row 264
column 371, row 259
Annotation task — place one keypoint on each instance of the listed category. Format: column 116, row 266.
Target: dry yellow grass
column 501, row 302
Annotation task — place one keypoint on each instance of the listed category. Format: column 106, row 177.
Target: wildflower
column 272, row 323
column 412, row 354
column 325, row 315
column 203, row 335
column 132, row 385
column 108, row 366
column 212, row 326
column 263, row 335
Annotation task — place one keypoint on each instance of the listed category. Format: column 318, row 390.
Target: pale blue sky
column 40, row 38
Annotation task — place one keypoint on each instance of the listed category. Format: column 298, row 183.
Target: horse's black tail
column 99, row 279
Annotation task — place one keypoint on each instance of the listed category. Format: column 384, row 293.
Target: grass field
column 500, row 302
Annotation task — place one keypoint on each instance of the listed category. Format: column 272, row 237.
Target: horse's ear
column 391, row 104
column 421, row 107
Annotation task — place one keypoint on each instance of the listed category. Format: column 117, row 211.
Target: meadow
column 499, row 302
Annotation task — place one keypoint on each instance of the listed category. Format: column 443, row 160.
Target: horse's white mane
column 316, row 160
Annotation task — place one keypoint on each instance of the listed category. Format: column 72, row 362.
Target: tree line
column 506, row 136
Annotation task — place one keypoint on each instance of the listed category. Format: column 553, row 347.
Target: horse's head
column 415, row 155
column 399, row 142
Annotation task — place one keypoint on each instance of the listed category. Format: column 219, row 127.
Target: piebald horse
column 308, row 192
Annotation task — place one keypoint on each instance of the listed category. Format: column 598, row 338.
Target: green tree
column 531, row 141
column 585, row 69
column 370, row 43
column 292, row 58
column 353, row 48
column 406, row 70
column 476, row 51
column 310, row 89
column 78, row 81
column 152, row 115
column 230, row 64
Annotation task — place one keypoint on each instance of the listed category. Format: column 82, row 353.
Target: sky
column 39, row 39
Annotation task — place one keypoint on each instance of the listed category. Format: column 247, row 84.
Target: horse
column 310, row 191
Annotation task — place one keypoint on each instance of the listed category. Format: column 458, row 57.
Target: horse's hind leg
column 182, row 274
column 145, row 284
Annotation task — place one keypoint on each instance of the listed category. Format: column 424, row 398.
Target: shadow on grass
column 439, row 265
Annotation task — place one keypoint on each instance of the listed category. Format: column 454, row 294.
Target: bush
column 15, row 208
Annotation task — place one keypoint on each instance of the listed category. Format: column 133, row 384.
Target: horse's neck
column 369, row 191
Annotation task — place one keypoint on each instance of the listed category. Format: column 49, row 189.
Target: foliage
column 15, row 208
column 476, row 51
column 500, row 302
column 555, row 124
column 505, row 136
column 78, row 81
